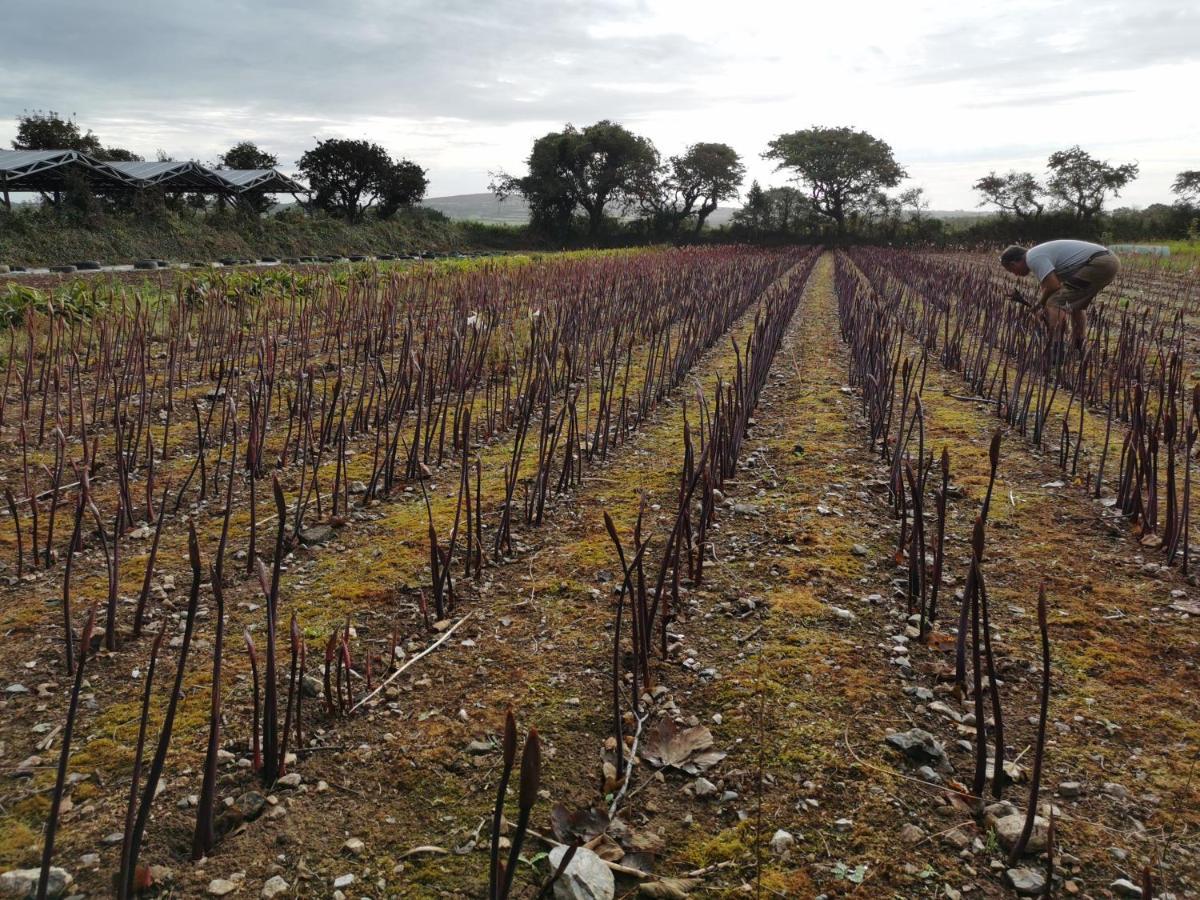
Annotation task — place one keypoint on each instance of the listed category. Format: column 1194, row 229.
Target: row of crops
column 230, row 423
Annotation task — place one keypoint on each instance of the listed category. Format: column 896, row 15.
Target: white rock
column 343, row 881
column 1009, row 828
column 219, row 887
column 781, row 842
column 586, row 878
column 274, row 886
column 24, row 882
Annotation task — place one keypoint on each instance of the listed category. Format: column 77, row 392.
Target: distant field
column 514, row 211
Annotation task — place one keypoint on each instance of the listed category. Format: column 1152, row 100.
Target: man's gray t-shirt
column 1060, row 257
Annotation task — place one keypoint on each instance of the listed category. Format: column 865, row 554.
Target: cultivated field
column 802, row 572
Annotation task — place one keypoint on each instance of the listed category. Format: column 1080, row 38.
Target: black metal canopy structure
column 175, row 176
column 52, row 171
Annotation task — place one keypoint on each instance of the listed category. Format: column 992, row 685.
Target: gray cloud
column 1053, row 44
column 498, row 62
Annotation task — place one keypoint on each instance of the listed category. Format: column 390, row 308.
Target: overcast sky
column 464, row 86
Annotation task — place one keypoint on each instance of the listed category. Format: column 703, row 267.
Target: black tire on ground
column 62, row 270
column 88, row 265
column 145, row 263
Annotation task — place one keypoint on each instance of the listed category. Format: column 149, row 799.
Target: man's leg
column 1080, row 289
column 1056, row 320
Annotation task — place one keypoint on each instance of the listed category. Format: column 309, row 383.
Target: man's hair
column 1012, row 254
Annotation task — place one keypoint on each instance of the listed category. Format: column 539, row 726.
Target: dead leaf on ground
column 687, row 749
column 582, row 825
column 670, row 888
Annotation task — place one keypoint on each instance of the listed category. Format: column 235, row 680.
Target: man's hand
column 1017, row 297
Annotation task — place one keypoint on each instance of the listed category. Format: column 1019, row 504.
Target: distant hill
column 514, row 211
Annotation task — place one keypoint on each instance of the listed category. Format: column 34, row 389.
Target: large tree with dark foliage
column 843, row 169
column 403, row 186
column 1018, row 193
column 247, row 155
column 780, row 211
column 586, row 168
column 691, row 184
column 1081, row 183
column 348, row 177
column 38, row 130
column 1187, row 186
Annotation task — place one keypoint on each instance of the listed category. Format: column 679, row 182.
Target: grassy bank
column 38, row 237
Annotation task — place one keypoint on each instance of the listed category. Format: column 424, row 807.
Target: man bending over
column 1071, row 274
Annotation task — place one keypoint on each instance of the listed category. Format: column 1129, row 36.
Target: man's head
column 1013, row 259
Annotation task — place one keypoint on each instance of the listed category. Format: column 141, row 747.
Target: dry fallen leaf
column 582, row 825
column 688, row 749
column 669, row 888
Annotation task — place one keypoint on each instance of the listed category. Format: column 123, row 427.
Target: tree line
column 1074, row 192
column 603, row 182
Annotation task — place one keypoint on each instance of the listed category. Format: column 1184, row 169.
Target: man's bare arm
column 1050, row 286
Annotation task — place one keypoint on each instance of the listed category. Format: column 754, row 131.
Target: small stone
column 15, row 688
column 1027, row 882
column 311, row 687
column 926, row 773
column 24, row 882
column 781, row 842
column 844, row 614
column 88, row 860
column 343, row 881
column 1009, row 828
column 112, row 839
column 911, row 833
column 1070, row 788
column 290, row 780
column 919, row 746
column 957, row 838
column 1116, row 791
column 1123, row 887
column 274, row 886
column 702, row 787
column 354, row 846
column 317, row 534
column 250, row 805
column 219, row 887
column 585, row 878
column 859, row 550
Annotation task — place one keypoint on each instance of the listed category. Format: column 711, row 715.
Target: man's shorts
column 1080, row 287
